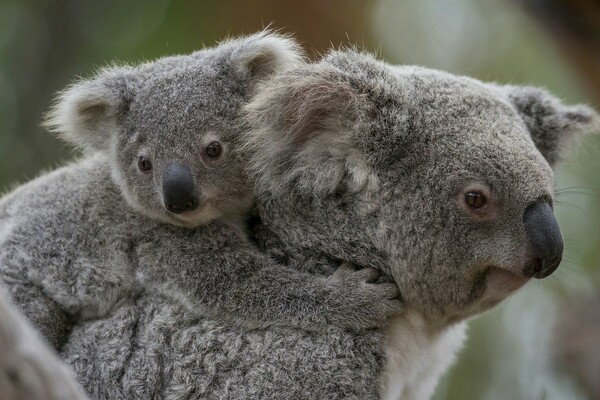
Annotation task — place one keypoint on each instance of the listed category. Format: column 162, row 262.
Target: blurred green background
column 544, row 342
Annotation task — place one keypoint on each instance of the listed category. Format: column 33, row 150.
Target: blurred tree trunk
column 575, row 25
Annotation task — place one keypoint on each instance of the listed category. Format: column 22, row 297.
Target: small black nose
column 179, row 191
column 544, row 238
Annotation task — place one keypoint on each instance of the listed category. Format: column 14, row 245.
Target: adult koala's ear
column 257, row 57
column 552, row 124
column 86, row 113
column 302, row 137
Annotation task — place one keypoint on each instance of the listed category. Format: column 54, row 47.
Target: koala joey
column 157, row 202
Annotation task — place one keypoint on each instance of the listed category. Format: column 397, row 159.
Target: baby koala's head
column 170, row 127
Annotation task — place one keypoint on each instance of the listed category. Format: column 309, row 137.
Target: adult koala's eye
column 475, row 200
column 213, row 150
column 144, row 164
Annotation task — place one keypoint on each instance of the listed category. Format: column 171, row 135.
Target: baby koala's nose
column 545, row 240
column 179, row 191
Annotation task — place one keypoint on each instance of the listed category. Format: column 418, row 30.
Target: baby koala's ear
column 552, row 124
column 257, row 57
column 86, row 113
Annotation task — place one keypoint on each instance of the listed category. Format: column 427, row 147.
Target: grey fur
column 390, row 150
column 354, row 160
column 352, row 142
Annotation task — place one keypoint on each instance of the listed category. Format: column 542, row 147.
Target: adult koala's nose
column 179, row 191
column 545, row 240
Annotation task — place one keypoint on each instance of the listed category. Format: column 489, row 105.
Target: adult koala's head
column 169, row 127
column 443, row 181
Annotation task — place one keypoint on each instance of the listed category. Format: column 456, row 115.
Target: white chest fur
column 417, row 356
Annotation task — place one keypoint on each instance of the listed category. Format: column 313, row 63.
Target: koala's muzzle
column 179, row 190
column 545, row 240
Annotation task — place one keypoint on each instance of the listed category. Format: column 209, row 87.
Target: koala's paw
column 364, row 302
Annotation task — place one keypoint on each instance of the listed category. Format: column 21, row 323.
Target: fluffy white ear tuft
column 553, row 125
column 302, row 137
column 86, row 113
column 261, row 55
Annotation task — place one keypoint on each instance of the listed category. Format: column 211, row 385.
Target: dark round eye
column 213, row 150
column 475, row 200
column 144, row 164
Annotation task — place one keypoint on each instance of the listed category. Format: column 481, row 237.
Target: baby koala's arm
column 219, row 269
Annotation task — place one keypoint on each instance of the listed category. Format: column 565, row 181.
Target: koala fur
column 84, row 247
column 382, row 156
column 360, row 161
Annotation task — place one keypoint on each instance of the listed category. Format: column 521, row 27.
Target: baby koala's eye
column 475, row 200
column 144, row 164
column 213, row 150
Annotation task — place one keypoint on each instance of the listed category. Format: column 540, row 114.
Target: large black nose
column 179, row 191
column 544, row 238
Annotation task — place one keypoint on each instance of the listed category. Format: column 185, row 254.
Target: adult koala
column 442, row 182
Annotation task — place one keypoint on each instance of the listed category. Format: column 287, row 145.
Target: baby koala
column 157, row 203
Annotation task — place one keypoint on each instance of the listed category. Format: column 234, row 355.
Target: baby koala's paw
column 364, row 301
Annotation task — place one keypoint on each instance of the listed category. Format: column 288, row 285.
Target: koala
column 442, row 183
column 157, row 204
